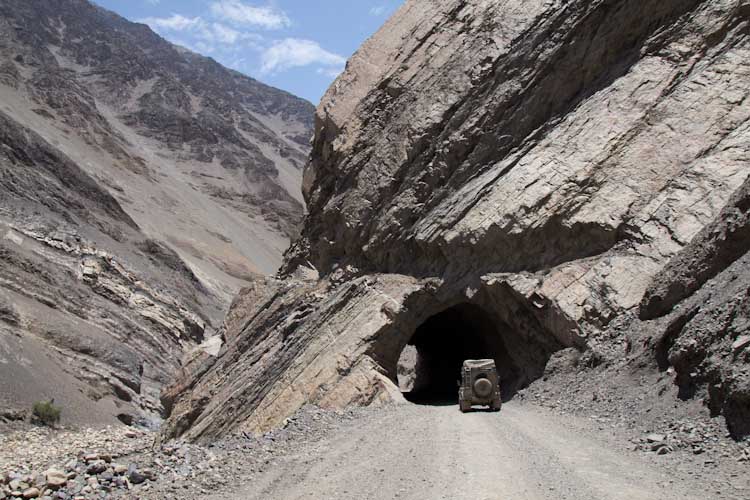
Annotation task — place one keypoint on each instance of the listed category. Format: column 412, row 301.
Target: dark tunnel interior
column 430, row 366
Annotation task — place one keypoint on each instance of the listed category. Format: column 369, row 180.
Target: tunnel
column 429, row 367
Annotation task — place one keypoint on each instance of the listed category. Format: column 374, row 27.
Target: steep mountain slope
column 517, row 173
column 142, row 186
column 165, row 128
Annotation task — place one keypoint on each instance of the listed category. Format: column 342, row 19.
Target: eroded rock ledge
column 530, row 166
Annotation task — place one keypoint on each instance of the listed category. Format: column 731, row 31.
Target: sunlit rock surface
column 540, row 160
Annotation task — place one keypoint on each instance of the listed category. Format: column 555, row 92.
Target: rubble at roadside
column 122, row 462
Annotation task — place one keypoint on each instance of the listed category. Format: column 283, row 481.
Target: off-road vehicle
column 480, row 385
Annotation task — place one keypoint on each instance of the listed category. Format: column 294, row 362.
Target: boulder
column 55, row 479
column 655, row 438
column 96, row 467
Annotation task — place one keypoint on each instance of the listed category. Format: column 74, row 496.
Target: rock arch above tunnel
column 338, row 344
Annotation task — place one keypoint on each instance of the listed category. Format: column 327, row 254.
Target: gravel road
column 435, row 452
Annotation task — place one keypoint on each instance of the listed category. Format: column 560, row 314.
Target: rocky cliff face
column 695, row 316
column 141, row 187
column 522, row 174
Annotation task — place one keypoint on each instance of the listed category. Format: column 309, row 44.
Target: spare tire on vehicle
column 482, row 387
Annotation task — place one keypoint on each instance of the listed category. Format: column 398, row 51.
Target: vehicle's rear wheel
column 496, row 405
column 463, row 405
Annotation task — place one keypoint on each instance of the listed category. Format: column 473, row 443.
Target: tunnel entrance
column 429, row 368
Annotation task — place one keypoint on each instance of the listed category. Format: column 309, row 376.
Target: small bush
column 46, row 412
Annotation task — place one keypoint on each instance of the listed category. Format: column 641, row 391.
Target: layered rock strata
column 524, row 171
column 695, row 316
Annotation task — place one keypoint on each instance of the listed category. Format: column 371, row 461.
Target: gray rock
column 136, row 477
column 18, row 485
column 31, row 493
column 11, row 414
column 96, row 467
column 663, row 450
column 655, row 438
column 469, row 183
column 741, row 342
column 55, row 479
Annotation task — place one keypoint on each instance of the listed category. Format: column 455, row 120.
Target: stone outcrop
column 521, row 173
column 695, row 316
column 712, row 251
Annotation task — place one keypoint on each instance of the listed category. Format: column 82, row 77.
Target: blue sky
column 296, row 45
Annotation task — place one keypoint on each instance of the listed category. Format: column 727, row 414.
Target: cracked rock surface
column 548, row 162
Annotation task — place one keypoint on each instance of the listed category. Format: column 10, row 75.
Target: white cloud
column 378, row 11
column 235, row 11
column 330, row 72
column 226, row 34
column 205, row 34
column 294, row 52
column 204, row 48
column 175, row 22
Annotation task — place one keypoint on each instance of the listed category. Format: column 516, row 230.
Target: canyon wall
column 141, row 187
column 539, row 166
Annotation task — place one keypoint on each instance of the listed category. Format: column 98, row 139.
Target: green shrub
column 46, row 412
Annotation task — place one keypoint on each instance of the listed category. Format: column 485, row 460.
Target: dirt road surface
column 435, row 452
